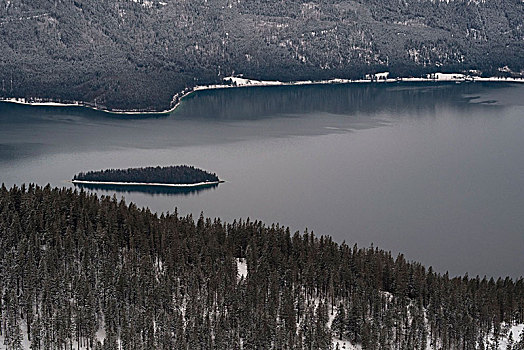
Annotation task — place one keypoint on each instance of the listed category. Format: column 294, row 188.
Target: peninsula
column 170, row 176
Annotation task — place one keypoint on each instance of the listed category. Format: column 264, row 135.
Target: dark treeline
column 178, row 174
column 72, row 264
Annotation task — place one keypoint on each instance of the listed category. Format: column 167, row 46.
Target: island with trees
column 169, row 176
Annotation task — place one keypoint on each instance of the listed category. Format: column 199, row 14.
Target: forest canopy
column 73, row 265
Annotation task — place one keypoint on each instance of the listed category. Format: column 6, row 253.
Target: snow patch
column 345, row 345
column 37, row 102
column 241, row 268
column 506, row 330
column 26, row 344
column 341, row 343
column 144, row 3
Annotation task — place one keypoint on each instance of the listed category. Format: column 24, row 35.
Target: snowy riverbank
column 240, row 81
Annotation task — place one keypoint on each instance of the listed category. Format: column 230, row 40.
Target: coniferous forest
column 74, row 267
column 179, row 174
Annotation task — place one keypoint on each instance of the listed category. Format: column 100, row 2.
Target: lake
column 435, row 171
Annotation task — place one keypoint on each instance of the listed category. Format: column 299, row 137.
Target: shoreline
column 198, row 184
column 241, row 82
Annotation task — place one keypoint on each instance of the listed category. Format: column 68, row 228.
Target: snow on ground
column 240, row 81
column 345, row 345
column 198, row 184
column 37, row 102
column 144, row 3
column 506, row 330
column 241, row 268
column 342, row 344
column 449, row 76
column 514, row 330
column 26, row 344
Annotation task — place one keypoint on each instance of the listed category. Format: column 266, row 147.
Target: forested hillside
column 136, row 54
column 74, row 267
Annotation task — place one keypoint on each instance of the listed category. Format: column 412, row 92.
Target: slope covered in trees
column 72, row 264
column 136, row 54
column 178, row 174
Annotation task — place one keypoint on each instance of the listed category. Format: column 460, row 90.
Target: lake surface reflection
column 430, row 170
column 152, row 190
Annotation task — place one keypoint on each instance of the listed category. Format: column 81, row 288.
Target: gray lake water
column 435, row 171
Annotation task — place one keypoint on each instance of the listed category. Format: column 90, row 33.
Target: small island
column 170, row 176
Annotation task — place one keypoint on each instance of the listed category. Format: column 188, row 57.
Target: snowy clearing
column 241, row 268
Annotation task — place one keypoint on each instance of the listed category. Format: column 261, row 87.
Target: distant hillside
column 137, row 54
